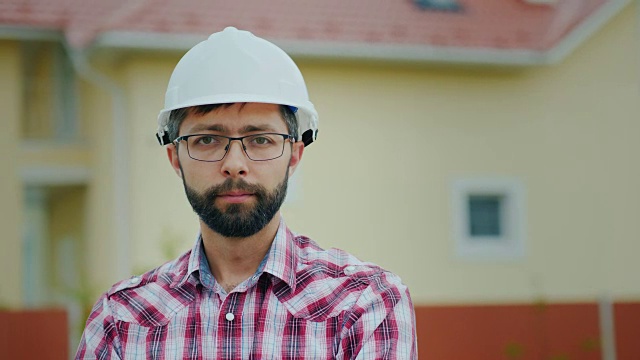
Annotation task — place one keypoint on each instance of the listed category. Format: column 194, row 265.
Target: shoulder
column 333, row 281
column 152, row 298
column 310, row 253
column 337, row 263
column 162, row 275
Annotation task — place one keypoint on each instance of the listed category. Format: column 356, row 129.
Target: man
column 236, row 122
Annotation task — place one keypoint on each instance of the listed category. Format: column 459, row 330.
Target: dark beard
column 237, row 220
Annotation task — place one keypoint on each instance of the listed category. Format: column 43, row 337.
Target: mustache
column 236, row 185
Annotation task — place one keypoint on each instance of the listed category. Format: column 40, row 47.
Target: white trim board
column 29, row 33
column 55, row 175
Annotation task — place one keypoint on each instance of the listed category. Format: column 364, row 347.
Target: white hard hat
column 236, row 66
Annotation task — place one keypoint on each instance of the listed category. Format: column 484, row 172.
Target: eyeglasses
column 212, row 148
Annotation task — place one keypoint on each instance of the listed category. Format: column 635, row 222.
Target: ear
column 296, row 155
column 172, row 154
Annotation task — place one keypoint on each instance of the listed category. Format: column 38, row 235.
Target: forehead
column 233, row 118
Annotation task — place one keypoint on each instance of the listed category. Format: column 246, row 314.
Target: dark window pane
column 438, row 5
column 484, row 215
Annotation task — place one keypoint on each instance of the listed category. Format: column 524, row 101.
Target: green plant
column 514, row 351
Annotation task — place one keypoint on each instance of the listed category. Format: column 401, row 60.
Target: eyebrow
column 223, row 129
column 200, row 127
column 253, row 128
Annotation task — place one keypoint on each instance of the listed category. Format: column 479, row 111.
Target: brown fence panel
column 627, row 319
column 34, row 334
column 522, row 332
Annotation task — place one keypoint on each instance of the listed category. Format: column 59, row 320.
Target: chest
column 247, row 325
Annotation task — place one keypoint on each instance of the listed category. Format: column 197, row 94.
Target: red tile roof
column 492, row 24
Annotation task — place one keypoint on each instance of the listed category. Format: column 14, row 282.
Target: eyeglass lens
column 257, row 147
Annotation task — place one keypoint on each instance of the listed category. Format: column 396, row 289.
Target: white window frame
column 510, row 245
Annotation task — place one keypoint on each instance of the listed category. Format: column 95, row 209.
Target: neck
column 233, row 260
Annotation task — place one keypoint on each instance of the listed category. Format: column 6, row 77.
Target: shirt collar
column 280, row 261
column 282, row 257
column 194, row 263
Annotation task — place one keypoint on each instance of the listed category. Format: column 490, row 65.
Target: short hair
column 177, row 116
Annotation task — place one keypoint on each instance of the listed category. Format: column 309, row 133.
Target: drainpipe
column 121, row 214
column 607, row 327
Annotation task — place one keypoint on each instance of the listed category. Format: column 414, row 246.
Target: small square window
column 488, row 218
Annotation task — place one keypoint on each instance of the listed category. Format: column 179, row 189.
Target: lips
column 235, row 196
column 235, row 193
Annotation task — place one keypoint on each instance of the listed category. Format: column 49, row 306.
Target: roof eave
column 411, row 53
column 130, row 40
column 31, row 33
column 126, row 40
column 331, row 50
column 581, row 33
column 389, row 52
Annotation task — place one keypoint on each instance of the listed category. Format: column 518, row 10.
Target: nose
column 235, row 161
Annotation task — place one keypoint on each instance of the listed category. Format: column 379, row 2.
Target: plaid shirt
column 303, row 302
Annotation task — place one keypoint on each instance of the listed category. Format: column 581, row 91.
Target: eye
column 261, row 140
column 206, row 140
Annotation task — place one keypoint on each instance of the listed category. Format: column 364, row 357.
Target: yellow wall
column 161, row 217
column 567, row 131
column 96, row 115
column 10, row 186
column 393, row 138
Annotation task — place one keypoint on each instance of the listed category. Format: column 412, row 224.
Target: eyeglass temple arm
column 163, row 138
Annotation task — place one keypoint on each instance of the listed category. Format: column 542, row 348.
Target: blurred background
column 484, row 150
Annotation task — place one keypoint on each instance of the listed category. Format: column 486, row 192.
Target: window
column 488, row 218
column 49, row 107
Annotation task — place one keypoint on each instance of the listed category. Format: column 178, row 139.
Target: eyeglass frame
column 285, row 137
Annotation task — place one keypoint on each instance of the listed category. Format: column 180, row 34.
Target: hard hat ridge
column 237, row 66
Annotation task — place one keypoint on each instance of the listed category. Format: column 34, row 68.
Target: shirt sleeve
column 100, row 337
column 382, row 324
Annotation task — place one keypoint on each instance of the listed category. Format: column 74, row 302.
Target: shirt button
column 230, row 317
column 135, row 280
column 349, row 269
